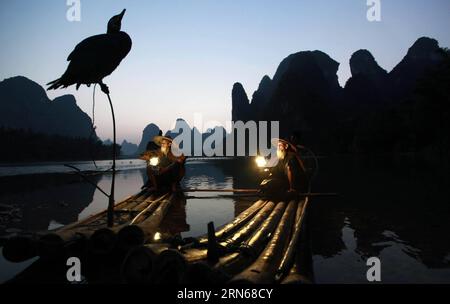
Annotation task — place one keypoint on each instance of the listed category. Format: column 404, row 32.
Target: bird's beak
column 122, row 13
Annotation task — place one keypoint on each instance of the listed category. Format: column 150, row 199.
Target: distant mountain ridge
column 196, row 142
column 370, row 112
column 24, row 104
column 128, row 149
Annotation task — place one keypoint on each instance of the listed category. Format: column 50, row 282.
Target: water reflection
column 41, row 199
column 395, row 210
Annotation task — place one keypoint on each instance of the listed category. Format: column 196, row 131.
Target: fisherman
column 164, row 170
column 288, row 177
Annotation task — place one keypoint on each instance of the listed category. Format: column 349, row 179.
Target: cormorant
column 96, row 57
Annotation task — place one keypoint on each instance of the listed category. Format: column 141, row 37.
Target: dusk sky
column 187, row 54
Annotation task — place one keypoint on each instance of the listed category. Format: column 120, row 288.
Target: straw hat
column 158, row 139
column 174, row 147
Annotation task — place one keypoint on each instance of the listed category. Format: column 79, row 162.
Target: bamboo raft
column 267, row 243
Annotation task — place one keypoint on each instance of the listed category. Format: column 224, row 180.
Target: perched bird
column 96, row 57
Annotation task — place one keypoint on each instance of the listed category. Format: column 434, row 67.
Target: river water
column 395, row 209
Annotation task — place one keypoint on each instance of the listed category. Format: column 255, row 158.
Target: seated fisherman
column 164, row 169
column 288, row 176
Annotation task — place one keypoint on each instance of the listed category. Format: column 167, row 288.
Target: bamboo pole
column 237, row 223
column 250, row 249
column 110, row 213
column 288, row 257
column 263, row 270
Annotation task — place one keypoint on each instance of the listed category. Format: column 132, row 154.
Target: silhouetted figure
column 168, row 170
column 96, row 57
column 288, row 177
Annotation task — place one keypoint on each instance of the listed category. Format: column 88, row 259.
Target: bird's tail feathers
column 55, row 84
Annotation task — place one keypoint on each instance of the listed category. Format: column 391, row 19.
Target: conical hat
column 158, row 139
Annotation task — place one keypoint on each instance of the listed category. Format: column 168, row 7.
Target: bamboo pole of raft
column 102, row 213
column 84, row 226
column 288, row 257
column 150, row 224
column 21, row 248
column 151, row 204
column 127, row 206
column 96, row 222
column 301, row 271
column 193, row 253
column 238, row 222
column 144, row 195
column 150, row 208
column 128, row 234
column 26, row 247
column 137, row 206
column 263, row 270
column 230, row 227
column 253, row 246
column 249, row 228
column 239, row 236
column 256, row 243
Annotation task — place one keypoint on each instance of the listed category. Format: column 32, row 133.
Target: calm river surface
column 397, row 210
